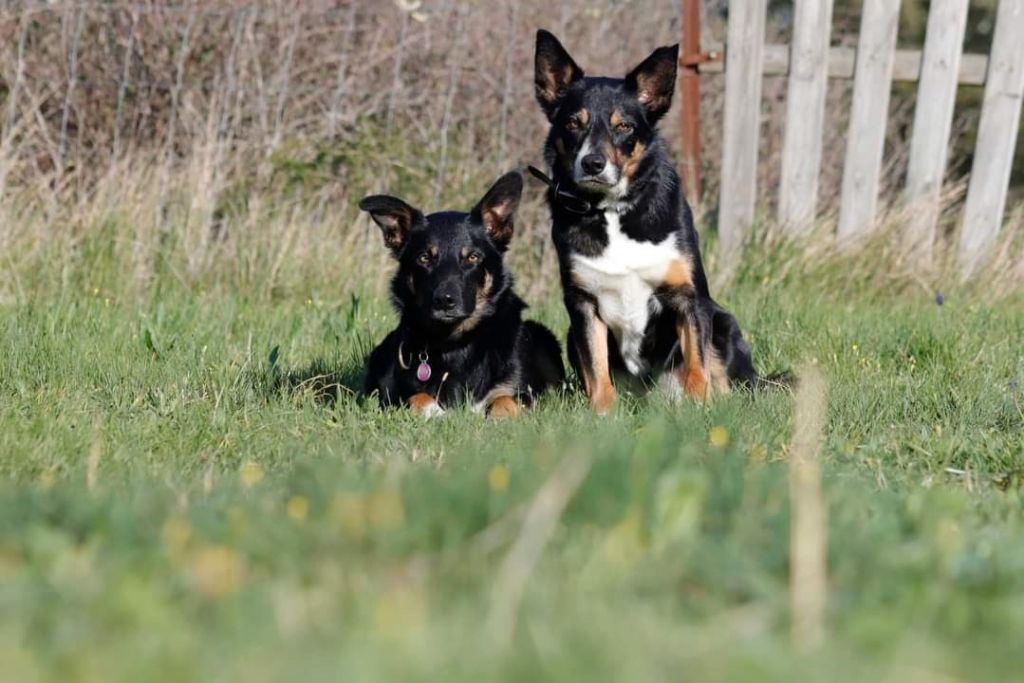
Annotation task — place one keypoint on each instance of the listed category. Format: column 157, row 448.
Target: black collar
column 569, row 201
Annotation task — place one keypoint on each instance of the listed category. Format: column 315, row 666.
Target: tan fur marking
column 478, row 312
column 693, row 375
column 632, row 162
column 421, row 402
column 719, row 375
column 503, row 407
column 498, row 391
column 616, row 118
column 597, row 378
column 583, row 116
column 628, row 163
column 679, row 273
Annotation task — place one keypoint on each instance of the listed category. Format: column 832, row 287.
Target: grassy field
column 183, row 495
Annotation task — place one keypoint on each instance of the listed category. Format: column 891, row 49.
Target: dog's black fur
column 604, row 149
column 457, row 310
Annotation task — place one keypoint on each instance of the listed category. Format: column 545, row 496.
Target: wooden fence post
column 689, row 112
column 997, row 136
column 742, row 126
column 933, row 118
column 865, row 141
column 805, row 114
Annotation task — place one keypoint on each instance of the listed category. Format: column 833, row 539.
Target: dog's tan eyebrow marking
column 582, row 116
column 616, row 118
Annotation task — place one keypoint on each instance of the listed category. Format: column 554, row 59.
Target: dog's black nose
column 592, row 164
column 444, row 302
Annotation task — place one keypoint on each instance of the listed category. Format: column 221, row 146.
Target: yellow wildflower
column 251, row 473
column 298, row 508
column 719, row 436
column 498, row 478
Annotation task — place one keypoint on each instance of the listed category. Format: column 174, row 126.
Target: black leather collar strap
column 567, row 200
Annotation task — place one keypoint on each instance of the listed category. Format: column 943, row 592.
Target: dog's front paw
column 425, row 405
column 696, row 384
column 602, row 402
column 433, row 410
column 503, row 408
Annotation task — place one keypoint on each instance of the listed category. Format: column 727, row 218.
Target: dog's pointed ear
column 654, row 81
column 553, row 72
column 395, row 218
column 498, row 207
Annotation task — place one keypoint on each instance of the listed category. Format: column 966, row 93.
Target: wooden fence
column 810, row 61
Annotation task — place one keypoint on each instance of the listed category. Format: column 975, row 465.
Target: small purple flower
column 940, row 298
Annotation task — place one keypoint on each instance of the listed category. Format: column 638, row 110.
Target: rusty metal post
column 690, row 58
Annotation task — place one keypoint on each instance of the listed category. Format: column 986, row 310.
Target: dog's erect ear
column 497, row 209
column 553, row 72
column 654, row 80
column 394, row 217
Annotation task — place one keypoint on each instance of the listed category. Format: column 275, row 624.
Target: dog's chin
column 596, row 185
column 443, row 322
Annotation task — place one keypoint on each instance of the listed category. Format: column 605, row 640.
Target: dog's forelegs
column 590, row 337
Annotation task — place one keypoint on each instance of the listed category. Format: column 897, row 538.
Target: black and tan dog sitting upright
column 461, row 337
column 632, row 276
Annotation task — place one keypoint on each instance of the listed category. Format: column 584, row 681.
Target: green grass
column 174, row 505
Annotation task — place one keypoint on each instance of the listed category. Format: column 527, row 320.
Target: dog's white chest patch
column 622, row 279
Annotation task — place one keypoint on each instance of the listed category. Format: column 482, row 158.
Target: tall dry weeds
column 226, row 143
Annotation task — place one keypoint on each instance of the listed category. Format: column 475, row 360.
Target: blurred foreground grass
column 189, row 490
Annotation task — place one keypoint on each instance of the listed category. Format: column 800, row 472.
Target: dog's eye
column 424, row 259
column 624, row 128
column 473, row 258
column 573, row 125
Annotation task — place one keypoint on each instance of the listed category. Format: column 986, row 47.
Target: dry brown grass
column 225, row 143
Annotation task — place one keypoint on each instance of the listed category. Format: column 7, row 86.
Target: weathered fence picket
column 865, row 142
column 742, row 123
column 998, row 128
column 874, row 64
column 933, row 119
column 805, row 114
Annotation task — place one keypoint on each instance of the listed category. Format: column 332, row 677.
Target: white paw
column 669, row 387
column 432, row 411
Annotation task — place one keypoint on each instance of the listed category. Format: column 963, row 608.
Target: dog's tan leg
column 592, row 351
column 719, row 373
column 693, row 376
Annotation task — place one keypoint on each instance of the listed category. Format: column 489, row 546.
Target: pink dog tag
column 423, row 372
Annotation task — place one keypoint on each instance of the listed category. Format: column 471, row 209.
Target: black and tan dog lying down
column 460, row 337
